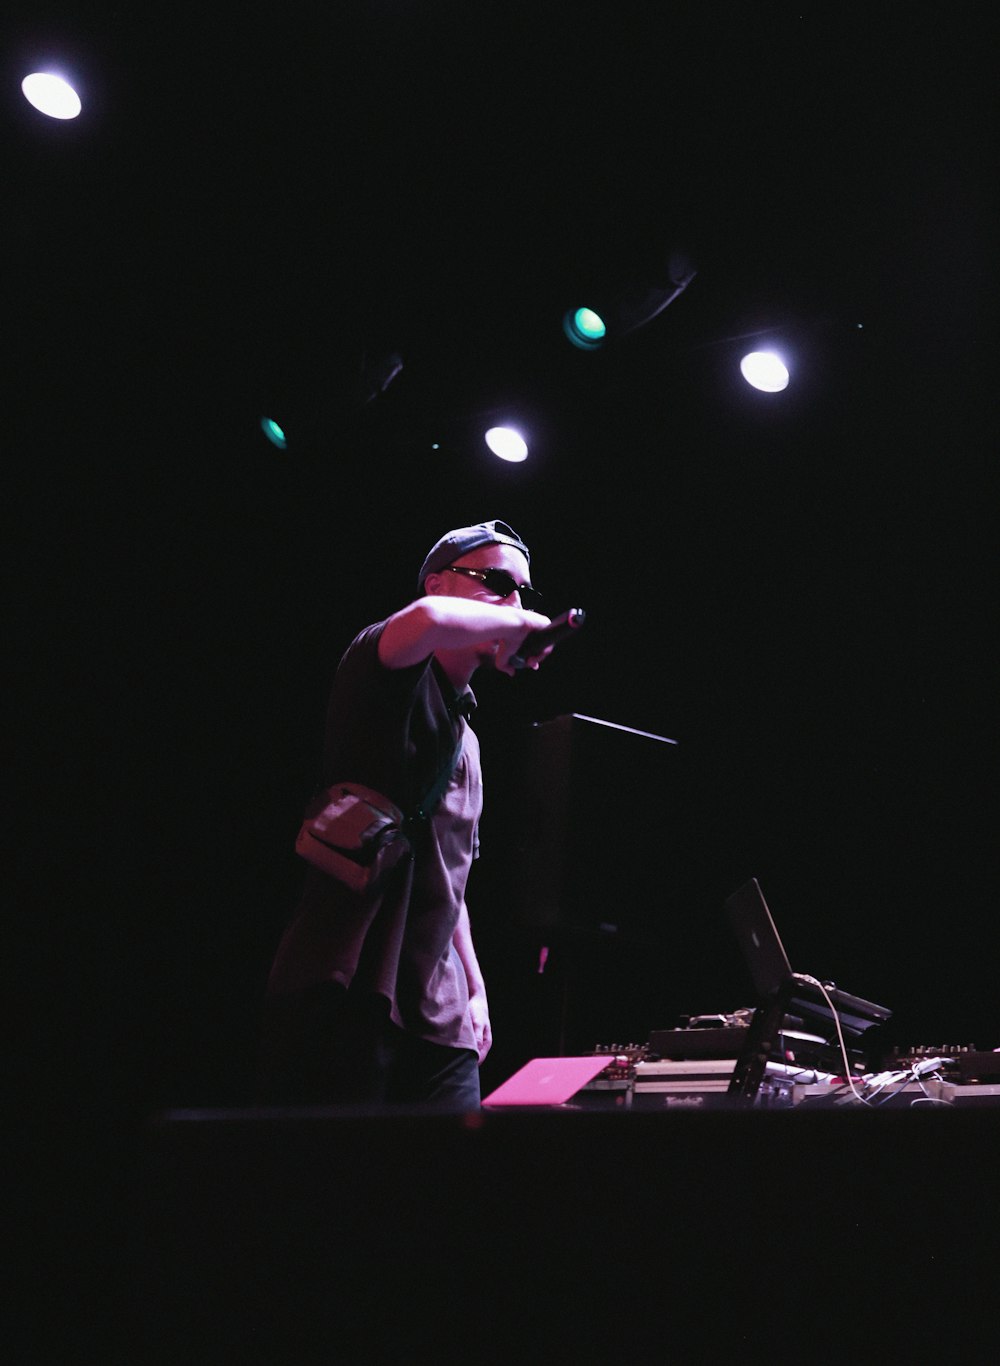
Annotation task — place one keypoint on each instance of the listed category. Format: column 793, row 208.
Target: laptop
column 547, row 1081
column 771, row 971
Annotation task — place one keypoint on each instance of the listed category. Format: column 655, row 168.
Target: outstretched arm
column 478, row 1006
column 451, row 623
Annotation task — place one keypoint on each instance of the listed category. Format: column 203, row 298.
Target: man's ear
column 432, row 585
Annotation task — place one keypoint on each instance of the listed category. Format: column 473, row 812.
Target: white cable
column 918, row 1071
column 812, row 981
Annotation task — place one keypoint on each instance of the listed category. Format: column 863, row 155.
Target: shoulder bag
column 356, row 835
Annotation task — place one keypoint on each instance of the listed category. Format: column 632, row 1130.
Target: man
column 377, row 998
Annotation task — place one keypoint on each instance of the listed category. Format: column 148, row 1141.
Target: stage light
column 765, row 371
column 274, row 433
column 626, row 303
column 585, row 328
column 51, row 95
column 507, row 444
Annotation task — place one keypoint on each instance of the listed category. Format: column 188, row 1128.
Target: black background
column 795, row 587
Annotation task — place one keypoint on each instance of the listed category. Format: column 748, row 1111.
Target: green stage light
column 584, row 328
column 274, row 433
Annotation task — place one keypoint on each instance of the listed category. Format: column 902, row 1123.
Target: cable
column 900, row 1079
column 813, row 982
column 919, row 1070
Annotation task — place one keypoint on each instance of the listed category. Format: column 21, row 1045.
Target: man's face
column 454, row 583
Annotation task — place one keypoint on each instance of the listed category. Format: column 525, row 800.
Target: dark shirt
column 394, row 730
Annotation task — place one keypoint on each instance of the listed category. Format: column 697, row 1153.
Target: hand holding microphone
column 535, row 642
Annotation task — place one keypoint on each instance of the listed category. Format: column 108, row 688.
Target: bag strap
column 425, row 808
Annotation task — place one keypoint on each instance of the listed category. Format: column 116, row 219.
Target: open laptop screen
column 771, row 971
column 758, row 938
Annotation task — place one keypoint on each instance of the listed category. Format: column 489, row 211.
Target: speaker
column 600, row 827
column 596, row 886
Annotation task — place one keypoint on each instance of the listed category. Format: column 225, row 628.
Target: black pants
column 328, row 1046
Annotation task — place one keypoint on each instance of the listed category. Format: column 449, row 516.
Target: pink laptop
column 547, row 1081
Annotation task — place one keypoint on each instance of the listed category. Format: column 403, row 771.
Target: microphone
column 559, row 628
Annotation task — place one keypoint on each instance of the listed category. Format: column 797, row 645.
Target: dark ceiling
column 254, row 206
column 266, row 201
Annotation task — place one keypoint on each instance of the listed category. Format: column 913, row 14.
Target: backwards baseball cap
column 455, row 544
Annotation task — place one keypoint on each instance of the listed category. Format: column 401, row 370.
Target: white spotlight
column 51, row 95
column 766, row 371
column 507, row 444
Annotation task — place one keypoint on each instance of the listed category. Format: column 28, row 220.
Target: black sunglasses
column 501, row 583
